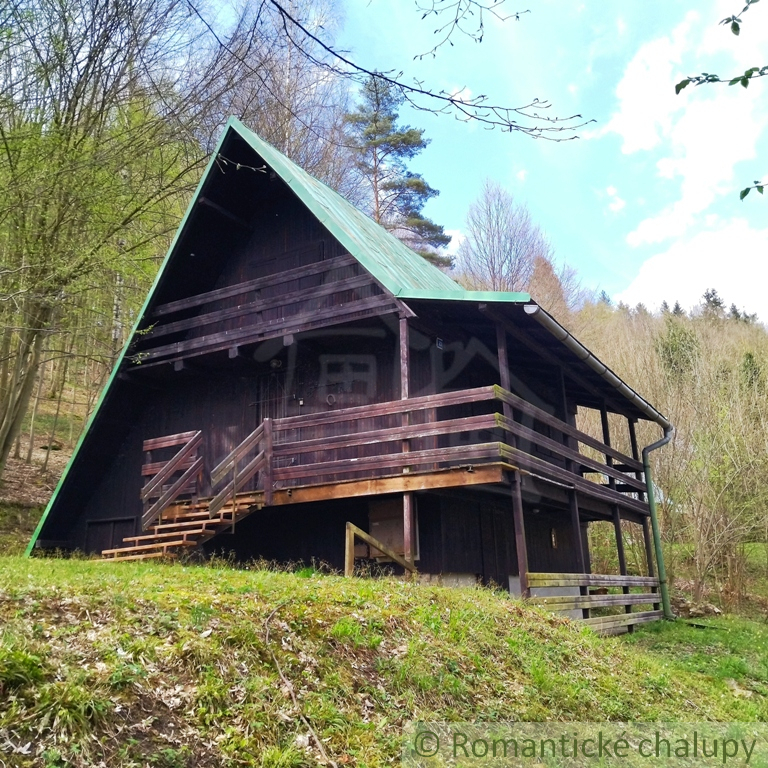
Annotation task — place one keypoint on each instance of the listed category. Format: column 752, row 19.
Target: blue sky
column 645, row 204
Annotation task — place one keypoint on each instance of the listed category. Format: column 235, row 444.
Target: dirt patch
column 24, row 485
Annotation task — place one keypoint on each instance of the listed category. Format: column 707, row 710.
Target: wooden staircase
column 181, row 529
column 173, row 524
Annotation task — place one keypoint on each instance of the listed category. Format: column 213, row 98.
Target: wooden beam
column 520, row 543
column 376, row 544
column 252, row 308
column 572, row 602
column 460, row 454
column 222, row 340
column 459, row 477
column 209, row 297
column 224, row 212
column 504, row 376
column 589, row 580
column 552, row 358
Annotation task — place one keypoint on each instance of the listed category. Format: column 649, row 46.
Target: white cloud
column 616, row 203
column 457, row 238
column 732, row 259
column 645, row 93
column 699, row 136
column 522, row 174
column 705, row 143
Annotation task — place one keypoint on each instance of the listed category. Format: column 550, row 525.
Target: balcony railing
column 449, row 430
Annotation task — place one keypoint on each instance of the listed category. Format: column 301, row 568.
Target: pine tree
column 397, row 196
column 713, row 304
column 664, row 307
column 677, row 310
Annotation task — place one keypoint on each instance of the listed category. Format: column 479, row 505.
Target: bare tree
column 502, row 243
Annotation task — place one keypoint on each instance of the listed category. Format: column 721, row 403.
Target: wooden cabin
column 301, row 386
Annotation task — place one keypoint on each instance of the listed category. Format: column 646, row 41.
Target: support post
column 607, row 441
column 267, row 443
column 578, row 545
column 404, row 359
column 349, row 552
column 504, row 377
column 635, row 452
column 520, row 545
column 622, row 554
column 408, row 528
column 578, row 548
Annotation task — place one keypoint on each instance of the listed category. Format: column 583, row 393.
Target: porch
column 484, row 437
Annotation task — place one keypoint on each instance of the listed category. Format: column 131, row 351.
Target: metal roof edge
column 118, row 364
column 561, row 334
column 463, row 295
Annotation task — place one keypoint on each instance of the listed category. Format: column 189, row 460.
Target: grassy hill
column 170, row 665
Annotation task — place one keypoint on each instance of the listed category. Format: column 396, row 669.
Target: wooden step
column 148, row 547
column 149, row 537
column 188, row 525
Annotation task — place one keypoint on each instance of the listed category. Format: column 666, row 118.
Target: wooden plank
column 562, row 450
column 170, row 494
column 253, row 285
column 147, row 556
column 259, row 305
column 589, row 580
column 293, row 324
column 462, row 453
column 243, row 476
column 156, row 466
column 539, row 466
column 445, row 478
column 392, row 407
column 168, row 441
column 148, row 547
column 148, row 537
column 226, row 464
column 561, row 426
column 573, row 602
column 172, row 466
column 622, row 619
column 376, row 544
column 388, row 435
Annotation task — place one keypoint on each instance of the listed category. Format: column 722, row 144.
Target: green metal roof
column 403, row 272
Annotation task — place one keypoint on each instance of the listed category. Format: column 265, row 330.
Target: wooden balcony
column 464, row 429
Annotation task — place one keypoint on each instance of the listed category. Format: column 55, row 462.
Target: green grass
column 169, row 665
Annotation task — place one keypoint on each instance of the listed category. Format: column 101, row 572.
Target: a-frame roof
column 391, row 262
column 398, row 269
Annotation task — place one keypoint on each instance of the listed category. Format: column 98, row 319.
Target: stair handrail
column 261, row 440
column 154, row 487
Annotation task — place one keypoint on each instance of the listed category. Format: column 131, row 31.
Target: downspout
column 668, row 432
